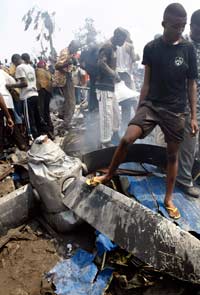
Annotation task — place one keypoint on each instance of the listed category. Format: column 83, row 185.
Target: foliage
column 87, row 34
column 43, row 23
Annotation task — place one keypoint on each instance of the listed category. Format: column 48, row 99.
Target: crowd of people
column 27, row 87
column 169, row 96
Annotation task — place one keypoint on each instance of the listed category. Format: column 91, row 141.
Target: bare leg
column 172, row 167
column 133, row 132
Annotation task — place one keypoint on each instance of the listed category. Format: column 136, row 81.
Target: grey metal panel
column 150, row 237
column 15, row 207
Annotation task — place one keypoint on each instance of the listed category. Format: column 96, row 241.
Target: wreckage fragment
column 135, row 228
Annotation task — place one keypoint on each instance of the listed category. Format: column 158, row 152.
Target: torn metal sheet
column 147, row 235
column 16, row 207
column 141, row 153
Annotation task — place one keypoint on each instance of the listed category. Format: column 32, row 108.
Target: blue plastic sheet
column 103, row 244
column 150, row 191
column 79, row 276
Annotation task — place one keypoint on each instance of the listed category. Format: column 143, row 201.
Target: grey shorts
column 171, row 124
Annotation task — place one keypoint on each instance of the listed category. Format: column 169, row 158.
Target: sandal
column 94, row 181
column 173, row 212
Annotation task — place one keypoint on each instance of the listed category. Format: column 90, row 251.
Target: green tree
column 87, row 34
column 43, row 23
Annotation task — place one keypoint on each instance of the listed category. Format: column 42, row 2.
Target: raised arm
column 103, row 64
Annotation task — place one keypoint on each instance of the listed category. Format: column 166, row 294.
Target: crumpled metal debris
column 137, row 281
column 49, row 170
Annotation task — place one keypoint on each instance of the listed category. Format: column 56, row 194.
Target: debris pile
column 13, row 172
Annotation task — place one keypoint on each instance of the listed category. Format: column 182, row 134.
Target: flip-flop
column 173, row 210
column 94, row 181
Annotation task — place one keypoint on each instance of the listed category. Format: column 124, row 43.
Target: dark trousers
column 44, row 101
column 10, row 135
column 68, row 91
column 92, row 99
column 34, row 123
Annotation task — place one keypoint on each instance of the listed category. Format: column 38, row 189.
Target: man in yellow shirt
column 63, row 79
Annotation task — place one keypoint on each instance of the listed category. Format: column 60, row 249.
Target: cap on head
column 195, row 18
column 41, row 64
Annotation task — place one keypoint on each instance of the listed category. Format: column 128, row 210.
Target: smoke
column 56, row 103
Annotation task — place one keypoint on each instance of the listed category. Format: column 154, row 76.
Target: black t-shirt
column 171, row 66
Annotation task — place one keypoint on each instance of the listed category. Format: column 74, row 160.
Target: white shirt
column 27, row 71
column 124, row 58
column 6, row 79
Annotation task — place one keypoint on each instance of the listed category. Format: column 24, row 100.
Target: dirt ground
column 24, row 259
column 28, row 252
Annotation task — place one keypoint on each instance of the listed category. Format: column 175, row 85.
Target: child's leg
column 172, row 167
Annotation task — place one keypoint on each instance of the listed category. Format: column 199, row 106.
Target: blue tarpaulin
column 79, row 276
column 150, row 191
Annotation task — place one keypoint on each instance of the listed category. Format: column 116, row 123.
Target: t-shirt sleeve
column 192, row 73
column 9, row 79
column 147, row 56
column 20, row 73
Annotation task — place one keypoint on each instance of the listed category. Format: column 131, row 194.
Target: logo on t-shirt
column 179, row 61
column 30, row 77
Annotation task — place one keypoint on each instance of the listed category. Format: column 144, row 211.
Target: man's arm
column 192, row 96
column 5, row 110
column 103, row 64
column 20, row 84
column 145, row 87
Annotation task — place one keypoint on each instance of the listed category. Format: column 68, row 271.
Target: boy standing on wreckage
column 170, row 69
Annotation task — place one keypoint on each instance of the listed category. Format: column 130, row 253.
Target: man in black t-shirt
column 170, row 69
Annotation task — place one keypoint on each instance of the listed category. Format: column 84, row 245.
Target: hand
column 117, row 78
column 194, row 127
column 8, row 86
column 10, row 123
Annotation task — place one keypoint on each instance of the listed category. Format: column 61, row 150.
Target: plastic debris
column 79, row 275
column 103, row 244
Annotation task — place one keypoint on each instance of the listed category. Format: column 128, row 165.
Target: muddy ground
column 24, row 260
column 28, row 252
